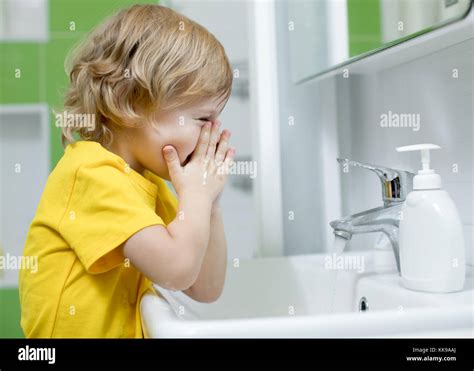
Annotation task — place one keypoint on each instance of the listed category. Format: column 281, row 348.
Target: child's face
column 179, row 128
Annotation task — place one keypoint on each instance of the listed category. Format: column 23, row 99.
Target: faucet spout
column 380, row 219
column 396, row 184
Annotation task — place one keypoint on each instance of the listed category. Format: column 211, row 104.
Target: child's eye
column 204, row 119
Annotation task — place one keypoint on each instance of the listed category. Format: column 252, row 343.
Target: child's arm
column 172, row 256
column 210, row 282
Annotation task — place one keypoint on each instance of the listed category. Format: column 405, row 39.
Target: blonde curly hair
column 141, row 60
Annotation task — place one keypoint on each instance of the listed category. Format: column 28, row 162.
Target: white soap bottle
column 432, row 254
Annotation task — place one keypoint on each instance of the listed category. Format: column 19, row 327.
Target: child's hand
column 205, row 174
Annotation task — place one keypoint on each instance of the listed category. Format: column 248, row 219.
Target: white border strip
column 265, row 125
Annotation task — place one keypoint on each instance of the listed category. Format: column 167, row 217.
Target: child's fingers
column 203, row 142
column 172, row 160
column 229, row 159
column 211, row 150
column 230, row 154
column 223, row 146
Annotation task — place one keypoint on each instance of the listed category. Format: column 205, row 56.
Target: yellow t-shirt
column 84, row 287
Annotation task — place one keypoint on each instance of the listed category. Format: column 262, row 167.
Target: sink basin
column 306, row 296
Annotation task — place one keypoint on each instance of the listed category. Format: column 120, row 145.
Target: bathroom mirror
column 324, row 34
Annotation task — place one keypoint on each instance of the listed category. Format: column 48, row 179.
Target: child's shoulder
column 89, row 158
column 89, row 153
column 86, row 164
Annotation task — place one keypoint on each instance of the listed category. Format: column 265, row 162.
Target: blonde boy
column 107, row 225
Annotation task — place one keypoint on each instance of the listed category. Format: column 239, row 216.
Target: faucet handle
column 396, row 184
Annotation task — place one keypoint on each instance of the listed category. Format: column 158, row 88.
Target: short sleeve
column 106, row 207
column 166, row 201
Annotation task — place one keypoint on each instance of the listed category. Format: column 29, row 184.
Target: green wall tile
column 10, row 314
column 25, row 58
column 364, row 26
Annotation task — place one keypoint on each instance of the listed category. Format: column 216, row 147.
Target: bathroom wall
column 228, row 21
column 308, row 114
column 338, row 115
column 425, row 86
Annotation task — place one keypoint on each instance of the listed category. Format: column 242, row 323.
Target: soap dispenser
column 431, row 235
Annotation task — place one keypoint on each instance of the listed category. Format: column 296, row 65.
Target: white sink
column 299, row 296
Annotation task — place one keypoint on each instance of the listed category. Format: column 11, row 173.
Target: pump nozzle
column 426, row 178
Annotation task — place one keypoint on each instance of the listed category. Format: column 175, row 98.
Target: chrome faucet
column 396, row 184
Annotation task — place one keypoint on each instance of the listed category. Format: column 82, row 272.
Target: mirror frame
column 388, row 45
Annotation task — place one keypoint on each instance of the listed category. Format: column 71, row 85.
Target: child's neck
column 123, row 150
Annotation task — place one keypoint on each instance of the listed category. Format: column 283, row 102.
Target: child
column 107, row 225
